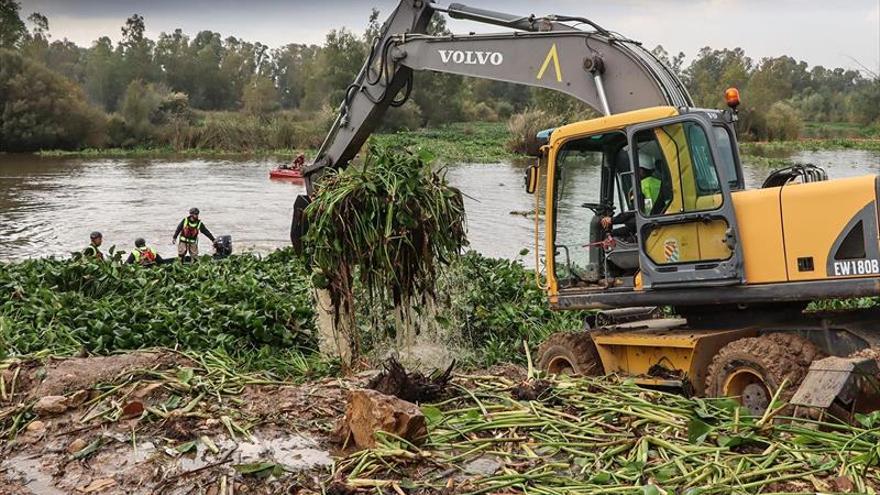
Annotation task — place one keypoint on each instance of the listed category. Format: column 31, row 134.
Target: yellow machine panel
column 759, row 217
column 711, row 236
column 655, row 355
column 815, row 215
column 686, row 242
column 673, row 244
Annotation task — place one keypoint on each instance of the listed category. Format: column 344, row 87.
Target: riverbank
column 485, row 142
column 478, row 142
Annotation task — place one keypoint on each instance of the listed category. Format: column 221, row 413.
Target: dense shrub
column 783, row 122
column 41, row 109
column 481, row 112
column 238, row 132
column 524, row 128
column 495, row 304
column 405, row 118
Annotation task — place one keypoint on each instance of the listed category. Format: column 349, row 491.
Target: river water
column 49, row 205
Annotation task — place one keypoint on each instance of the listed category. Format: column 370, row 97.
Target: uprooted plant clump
column 388, row 223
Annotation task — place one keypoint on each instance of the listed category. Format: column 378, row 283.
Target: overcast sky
column 821, row 32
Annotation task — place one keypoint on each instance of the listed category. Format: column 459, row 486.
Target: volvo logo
column 471, row 58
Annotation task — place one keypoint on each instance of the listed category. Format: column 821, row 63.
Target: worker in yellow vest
column 188, row 230
column 94, row 249
column 143, row 255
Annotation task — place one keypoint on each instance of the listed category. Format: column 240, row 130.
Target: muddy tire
column 870, row 353
column 569, row 353
column 754, row 368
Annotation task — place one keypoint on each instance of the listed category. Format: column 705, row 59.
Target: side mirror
column 532, row 179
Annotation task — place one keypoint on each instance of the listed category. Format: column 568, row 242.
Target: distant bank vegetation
column 207, row 92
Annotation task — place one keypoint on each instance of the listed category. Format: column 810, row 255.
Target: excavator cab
column 641, row 200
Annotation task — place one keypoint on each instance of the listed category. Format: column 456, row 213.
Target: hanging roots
column 388, row 222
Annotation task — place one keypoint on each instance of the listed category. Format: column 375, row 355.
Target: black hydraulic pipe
column 461, row 11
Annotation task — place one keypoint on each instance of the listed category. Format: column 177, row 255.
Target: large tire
column 570, row 353
column 753, row 368
column 869, row 397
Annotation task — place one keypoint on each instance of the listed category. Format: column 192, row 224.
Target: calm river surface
column 48, row 206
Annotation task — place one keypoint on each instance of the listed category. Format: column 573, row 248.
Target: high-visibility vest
column 190, row 232
column 651, row 192
column 145, row 256
column 93, row 252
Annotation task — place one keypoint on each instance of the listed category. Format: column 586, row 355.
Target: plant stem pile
column 245, row 306
column 195, row 384
column 388, row 222
column 605, row 436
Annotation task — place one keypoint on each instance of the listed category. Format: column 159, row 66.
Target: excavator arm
column 609, row 73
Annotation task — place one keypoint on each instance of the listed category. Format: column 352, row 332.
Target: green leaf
column 651, row 489
column 432, row 414
column 698, row 431
column 601, row 478
column 737, row 440
column 186, row 447
column 185, row 375
column 665, row 473
column 869, row 421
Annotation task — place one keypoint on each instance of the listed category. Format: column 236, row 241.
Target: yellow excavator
column 647, row 215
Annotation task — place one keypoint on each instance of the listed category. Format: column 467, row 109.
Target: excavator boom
column 609, row 73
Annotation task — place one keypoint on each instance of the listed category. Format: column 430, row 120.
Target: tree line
column 215, row 92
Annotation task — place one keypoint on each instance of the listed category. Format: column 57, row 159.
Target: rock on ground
column 370, row 412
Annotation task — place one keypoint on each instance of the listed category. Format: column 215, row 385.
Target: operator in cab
column 188, row 230
column 143, row 255
column 650, row 187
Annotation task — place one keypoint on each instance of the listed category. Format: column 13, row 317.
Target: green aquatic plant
column 240, row 305
column 389, row 223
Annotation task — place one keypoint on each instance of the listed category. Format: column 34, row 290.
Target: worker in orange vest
column 188, row 230
column 142, row 254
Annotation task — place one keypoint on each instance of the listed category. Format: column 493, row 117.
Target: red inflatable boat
column 285, row 173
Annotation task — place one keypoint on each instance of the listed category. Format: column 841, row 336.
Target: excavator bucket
column 833, row 378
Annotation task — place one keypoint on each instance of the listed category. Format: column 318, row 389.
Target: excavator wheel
column 570, row 353
column 753, row 368
column 870, row 391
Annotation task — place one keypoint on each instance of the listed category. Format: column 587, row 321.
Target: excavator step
column 832, row 378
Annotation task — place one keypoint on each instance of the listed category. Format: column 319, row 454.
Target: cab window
column 724, row 141
column 583, row 166
column 676, row 171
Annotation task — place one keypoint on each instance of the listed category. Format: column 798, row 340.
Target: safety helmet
column 646, row 161
column 193, row 211
column 95, row 235
column 140, row 242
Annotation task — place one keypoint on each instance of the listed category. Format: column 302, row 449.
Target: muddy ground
column 156, row 422
column 164, row 422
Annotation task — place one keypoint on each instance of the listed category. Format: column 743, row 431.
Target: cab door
column 685, row 218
